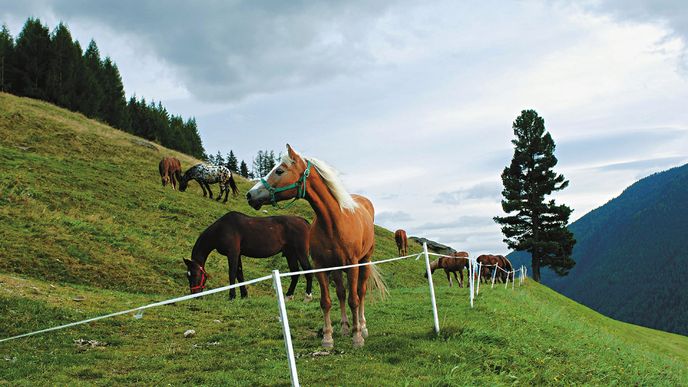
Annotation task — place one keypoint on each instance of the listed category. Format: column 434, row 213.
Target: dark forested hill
column 632, row 255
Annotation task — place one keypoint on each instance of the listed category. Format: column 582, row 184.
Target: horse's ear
column 292, row 153
column 187, row 262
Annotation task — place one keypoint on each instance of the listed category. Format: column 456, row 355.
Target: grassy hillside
column 632, row 255
column 86, row 229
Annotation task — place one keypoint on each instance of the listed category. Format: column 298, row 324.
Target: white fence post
column 471, row 282
column 480, row 274
column 277, row 283
column 432, row 288
column 494, row 275
column 506, row 285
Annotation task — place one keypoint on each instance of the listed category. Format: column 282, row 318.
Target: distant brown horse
column 236, row 234
column 342, row 233
column 457, row 262
column 170, row 171
column 402, row 242
column 503, row 265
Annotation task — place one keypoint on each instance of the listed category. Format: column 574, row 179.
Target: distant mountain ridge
column 632, row 255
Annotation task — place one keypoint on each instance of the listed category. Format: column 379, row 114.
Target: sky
column 411, row 101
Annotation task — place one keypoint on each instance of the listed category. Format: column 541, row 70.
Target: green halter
column 300, row 186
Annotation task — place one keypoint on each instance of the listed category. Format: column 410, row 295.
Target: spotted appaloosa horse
column 342, row 233
column 205, row 175
column 170, row 171
column 402, row 242
column 457, row 262
column 236, row 234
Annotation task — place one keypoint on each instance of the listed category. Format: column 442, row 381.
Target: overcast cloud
column 412, row 102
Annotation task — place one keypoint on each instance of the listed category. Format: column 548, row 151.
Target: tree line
column 54, row 68
column 261, row 164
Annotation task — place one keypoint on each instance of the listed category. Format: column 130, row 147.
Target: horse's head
column 196, row 275
column 165, row 180
column 286, row 180
column 183, row 183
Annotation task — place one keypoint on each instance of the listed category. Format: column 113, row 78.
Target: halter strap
column 300, row 186
column 204, row 277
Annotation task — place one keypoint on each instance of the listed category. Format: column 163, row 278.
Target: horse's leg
column 341, row 296
column 456, row 278
column 362, row 289
column 222, row 189
column 226, row 193
column 352, row 279
column 325, row 305
column 174, row 182
column 210, row 193
column 202, row 187
column 448, row 277
column 233, row 261
column 461, row 274
column 305, row 265
column 240, row 278
column 293, row 266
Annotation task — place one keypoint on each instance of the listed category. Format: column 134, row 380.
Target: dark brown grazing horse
column 236, row 234
column 402, row 242
column 457, row 262
column 170, row 171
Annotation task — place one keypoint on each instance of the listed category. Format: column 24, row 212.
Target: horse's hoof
column 358, row 341
column 289, row 298
column 308, row 298
column 364, row 332
column 327, row 342
column 345, row 329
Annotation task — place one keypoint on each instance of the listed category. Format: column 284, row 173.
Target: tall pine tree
column 31, row 60
column 243, row 169
column 6, row 48
column 65, row 66
column 232, row 162
column 535, row 225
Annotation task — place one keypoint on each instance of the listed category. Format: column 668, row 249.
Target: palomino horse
column 402, row 242
column 341, row 234
column 236, row 234
column 457, row 262
column 210, row 174
column 170, row 171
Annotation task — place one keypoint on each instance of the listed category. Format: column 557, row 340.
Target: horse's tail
column 232, row 185
column 376, row 282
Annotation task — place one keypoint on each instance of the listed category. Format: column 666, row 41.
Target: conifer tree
column 65, row 66
column 91, row 96
column 31, row 60
column 219, row 160
column 232, row 162
column 533, row 224
column 6, row 48
column 243, row 169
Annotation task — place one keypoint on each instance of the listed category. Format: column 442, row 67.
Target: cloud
column 229, row 50
column 670, row 14
column 482, row 191
column 387, row 217
column 460, row 222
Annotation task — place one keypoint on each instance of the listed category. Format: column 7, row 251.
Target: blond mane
column 332, row 181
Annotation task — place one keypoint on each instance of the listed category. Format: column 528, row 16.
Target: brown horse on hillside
column 457, row 262
column 170, row 171
column 236, row 234
column 342, row 233
column 402, row 242
column 503, row 266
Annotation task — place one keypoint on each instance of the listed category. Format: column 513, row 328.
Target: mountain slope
column 86, row 229
column 632, row 255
